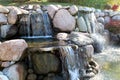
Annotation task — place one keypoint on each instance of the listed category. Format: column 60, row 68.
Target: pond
column 109, row 61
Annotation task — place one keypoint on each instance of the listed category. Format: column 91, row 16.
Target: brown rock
column 12, row 50
column 44, row 63
column 3, row 9
column 64, row 21
column 18, row 10
column 12, row 17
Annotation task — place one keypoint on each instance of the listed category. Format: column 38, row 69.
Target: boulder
column 64, row 21
column 24, row 11
column 6, row 64
column 44, row 62
column 18, row 11
column 107, row 19
column 36, row 6
column 12, row 32
column 15, row 72
column 116, row 17
column 52, row 9
column 101, row 20
column 12, row 50
column 89, row 51
column 62, row 36
column 80, row 39
column 73, row 10
column 3, row 18
column 101, row 14
column 113, row 13
column 4, row 30
column 3, row 9
column 82, row 26
column 97, row 14
column 12, row 17
column 85, row 9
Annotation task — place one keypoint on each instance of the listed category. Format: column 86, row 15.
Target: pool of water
column 109, row 62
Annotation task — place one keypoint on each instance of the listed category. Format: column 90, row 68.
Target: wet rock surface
column 54, row 62
column 44, row 63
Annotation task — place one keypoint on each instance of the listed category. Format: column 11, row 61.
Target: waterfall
column 70, row 62
column 77, row 64
column 24, row 25
column 99, row 42
column 47, row 25
column 35, row 25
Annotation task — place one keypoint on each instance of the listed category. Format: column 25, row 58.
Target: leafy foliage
column 113, row 26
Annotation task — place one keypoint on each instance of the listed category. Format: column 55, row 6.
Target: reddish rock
column 12, row 50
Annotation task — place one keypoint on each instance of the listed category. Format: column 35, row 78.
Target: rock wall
column 63, row 18
column 20, row 62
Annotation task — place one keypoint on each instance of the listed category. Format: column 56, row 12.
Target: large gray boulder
column 80, row 39
column 64, row 21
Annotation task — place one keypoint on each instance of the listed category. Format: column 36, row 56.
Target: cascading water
column 24, row 24
column 77, row 65
column 47, row 25
column 35, row 25
column 99, row 42
column 70, row 60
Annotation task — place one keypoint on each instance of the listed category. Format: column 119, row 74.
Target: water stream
column 70, row 61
